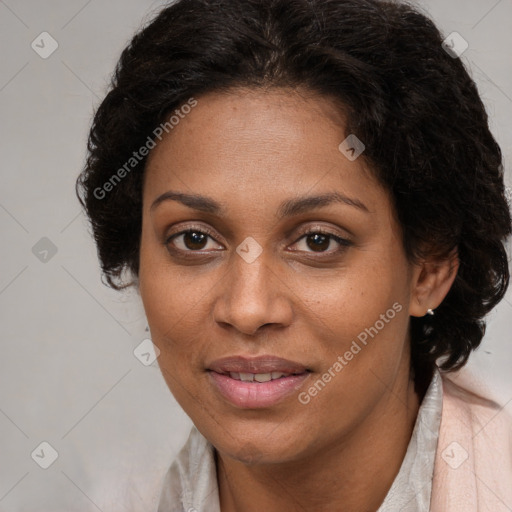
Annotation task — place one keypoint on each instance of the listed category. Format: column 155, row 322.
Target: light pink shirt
column 473, row 466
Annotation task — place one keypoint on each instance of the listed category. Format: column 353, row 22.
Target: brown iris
column 320, row 242
column 193, row 239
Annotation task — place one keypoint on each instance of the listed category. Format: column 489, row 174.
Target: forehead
column 258, row 143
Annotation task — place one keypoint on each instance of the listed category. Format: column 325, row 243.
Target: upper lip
column 260, row 364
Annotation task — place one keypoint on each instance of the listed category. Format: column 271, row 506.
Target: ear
column 431, row 281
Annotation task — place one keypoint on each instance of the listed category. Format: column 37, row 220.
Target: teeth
column 263, row 377
column 258, row 377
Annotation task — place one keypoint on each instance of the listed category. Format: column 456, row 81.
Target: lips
column 257, row 365
column 256, row 383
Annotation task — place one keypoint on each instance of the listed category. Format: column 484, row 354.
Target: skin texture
column 250, row 150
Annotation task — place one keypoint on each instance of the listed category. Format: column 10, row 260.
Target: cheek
column 360, row 326
column 176, row 306
column 163, row 295
column 172, row 309
column 361, row 323
column 157, row 286
column 355, row 298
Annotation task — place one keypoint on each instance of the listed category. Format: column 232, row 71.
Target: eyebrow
column 286, row 209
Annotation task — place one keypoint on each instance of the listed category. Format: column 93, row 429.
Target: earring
column 430, row 311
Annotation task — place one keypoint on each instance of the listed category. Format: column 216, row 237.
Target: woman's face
column 292, row 253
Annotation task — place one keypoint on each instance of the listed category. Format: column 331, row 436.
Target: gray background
column 68, row 375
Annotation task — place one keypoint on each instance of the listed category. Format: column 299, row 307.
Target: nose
column 252, row 295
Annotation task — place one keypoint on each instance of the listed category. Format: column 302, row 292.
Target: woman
column 307, row 195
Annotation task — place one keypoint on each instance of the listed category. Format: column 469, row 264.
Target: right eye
column 190, row 240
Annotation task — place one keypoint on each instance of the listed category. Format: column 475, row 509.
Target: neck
column 353, row 475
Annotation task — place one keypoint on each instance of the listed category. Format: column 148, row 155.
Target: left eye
column 318, row 241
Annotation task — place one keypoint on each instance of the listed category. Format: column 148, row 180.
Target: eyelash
column 343, row 242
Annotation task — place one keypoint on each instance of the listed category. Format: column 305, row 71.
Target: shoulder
column 466, row 400
column 473, row 463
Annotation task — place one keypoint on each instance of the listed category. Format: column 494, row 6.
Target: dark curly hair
column 414, row 105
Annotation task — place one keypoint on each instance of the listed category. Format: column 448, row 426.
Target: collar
column 412, row 487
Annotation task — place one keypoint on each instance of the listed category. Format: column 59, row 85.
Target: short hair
column 412, row 103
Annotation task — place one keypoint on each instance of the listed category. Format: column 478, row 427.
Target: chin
column 266, row 445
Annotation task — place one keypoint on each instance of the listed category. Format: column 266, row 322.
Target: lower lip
column 255, row 395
